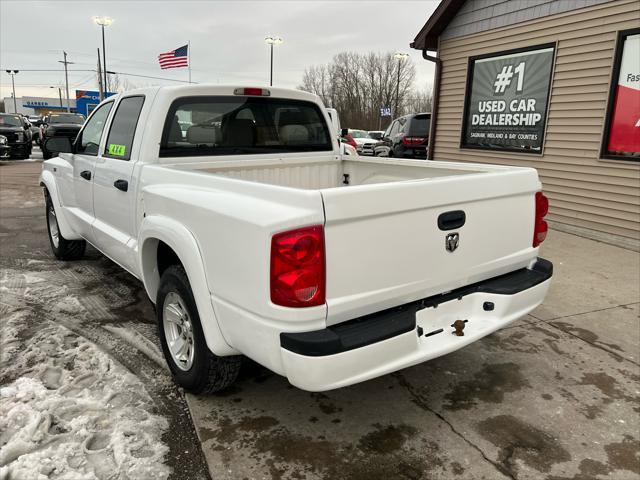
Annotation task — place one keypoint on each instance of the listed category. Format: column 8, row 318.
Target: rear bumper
column 387, row 341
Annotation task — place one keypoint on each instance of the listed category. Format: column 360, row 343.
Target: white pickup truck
column 254, row 236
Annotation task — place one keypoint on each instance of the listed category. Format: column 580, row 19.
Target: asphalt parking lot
column 554, row 396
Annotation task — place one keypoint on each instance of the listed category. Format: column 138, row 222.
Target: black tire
column 65, row 249
column 208, row 373
column 46, row 154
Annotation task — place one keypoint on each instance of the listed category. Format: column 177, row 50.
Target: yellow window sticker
column 116, row 150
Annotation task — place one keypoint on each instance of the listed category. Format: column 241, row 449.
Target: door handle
column 451, row 220
column 86, row 174
column 121, row 185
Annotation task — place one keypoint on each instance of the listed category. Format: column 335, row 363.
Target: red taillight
column 259, row 92
column 298, row 267
column 540, row 228
column 413, row 140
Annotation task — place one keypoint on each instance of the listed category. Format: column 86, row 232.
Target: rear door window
column 242, row 126
column 123, row 128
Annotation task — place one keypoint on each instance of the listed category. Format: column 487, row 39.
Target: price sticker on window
column 116, row 150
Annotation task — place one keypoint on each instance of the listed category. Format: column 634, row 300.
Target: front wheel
column 62, row 248
column 191, row 362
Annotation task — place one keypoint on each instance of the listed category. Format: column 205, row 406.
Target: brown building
column 550, row 84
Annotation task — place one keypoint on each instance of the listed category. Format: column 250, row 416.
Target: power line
column 109, row 72
column 147, row 76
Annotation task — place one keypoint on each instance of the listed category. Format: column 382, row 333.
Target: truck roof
column 215, row 89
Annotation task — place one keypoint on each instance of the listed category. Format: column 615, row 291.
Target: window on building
column 621, row 138
column 506, row 100
column 123, row 128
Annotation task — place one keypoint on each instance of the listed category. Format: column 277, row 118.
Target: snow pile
column 72, row 412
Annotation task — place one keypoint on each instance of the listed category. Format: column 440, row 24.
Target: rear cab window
column 223, row 125
column 419, row 126
column 123, row 128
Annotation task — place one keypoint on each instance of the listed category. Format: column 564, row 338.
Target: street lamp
column 272, row 40
column 104, row 22
column 13, row 73
column 401, row 57
column 59, row 95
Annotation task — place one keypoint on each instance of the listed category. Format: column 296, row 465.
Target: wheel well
column 166, row 257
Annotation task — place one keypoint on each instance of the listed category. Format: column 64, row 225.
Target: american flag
column 175, row 58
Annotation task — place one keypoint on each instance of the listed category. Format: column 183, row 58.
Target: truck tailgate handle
column 451, row 220
column 86, row 174
column 121, row 185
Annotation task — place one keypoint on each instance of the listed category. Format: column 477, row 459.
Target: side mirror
column 59, row 145
column 344, row 132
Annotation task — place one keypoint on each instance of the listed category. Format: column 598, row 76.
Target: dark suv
column 406, row 137
column 60, row 125
column 16, row 129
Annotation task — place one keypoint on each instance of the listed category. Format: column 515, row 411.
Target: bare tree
column 359, row 85
column 118, row 84
column 419, row 101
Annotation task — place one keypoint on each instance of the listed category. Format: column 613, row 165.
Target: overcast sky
column 227, row 39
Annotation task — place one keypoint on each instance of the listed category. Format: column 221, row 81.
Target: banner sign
column 624, row 126
column 506, row 101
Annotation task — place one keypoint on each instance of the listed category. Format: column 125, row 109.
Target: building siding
column 481, row 15
column 584, row 190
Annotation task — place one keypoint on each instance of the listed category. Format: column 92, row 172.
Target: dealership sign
column 506, row 101
column 624, row 129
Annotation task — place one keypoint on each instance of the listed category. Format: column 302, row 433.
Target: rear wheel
column 192, row 364
column 62, row 248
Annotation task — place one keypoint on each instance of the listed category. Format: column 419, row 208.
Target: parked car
column 14, row 128
column 364, row 143
column 254, row 236
column 347, row 138
column 35, row 122
column 27, row 130
column 59, row 125
column 376, row 134
column 406, row 137
column 4, row 147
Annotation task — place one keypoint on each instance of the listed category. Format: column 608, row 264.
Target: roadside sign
column 385, row 111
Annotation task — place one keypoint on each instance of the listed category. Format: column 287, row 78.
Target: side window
column 123, row 128
column 89, row 141
column 394, row 129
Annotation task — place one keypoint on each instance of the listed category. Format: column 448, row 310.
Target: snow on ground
column 68, row 410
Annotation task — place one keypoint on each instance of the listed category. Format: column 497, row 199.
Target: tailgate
column 384, row 246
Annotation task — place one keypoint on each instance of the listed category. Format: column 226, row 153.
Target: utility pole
column 100, row 86
column 66, row 77
column 59, row 94
column 13, row 73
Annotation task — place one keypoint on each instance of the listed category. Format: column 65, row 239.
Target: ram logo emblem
column 452, row 241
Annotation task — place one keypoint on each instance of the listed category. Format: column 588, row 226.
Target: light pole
column 272, row 40
column 59, row 94
column 13, row 73
column 104, row 22
column 401, row 57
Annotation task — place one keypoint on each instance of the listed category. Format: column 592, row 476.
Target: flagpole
column 189, row 58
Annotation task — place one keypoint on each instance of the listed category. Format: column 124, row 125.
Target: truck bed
column 307, row 174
